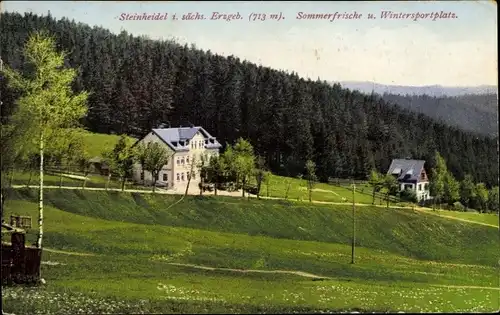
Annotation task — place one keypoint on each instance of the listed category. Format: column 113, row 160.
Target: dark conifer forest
column 138, row 83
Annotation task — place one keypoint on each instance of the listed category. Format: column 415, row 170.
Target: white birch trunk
column 40, row 197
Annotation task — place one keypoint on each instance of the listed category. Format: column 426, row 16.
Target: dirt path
column 464, row 287
column 313, row 276
column 291, row 272
column 67, row 253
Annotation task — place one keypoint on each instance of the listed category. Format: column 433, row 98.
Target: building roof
column 178, row 138
column 406, row 170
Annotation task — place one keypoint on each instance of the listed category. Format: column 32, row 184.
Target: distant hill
column 476, row 113
column 431, row 90
column 470, row 108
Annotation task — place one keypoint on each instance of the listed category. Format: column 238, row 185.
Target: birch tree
column 47, row 97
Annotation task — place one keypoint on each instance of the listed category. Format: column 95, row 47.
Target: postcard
column 164, row 157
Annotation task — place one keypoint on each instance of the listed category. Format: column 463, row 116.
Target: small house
column 411, row 174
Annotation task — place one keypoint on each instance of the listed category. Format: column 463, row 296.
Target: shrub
column 458, row 206
column 409, row 195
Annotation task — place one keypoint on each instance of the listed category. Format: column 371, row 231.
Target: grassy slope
column 97, row 143
column 402, row 232
column 234, row 233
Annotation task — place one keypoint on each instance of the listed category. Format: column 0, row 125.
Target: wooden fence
column 19, row 221
column 20, row 264
column 346, row 183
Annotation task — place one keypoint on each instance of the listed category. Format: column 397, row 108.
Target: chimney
column 164, row 125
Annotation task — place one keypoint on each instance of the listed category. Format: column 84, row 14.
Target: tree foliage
column 46, row 97
column 376, row 180
column 155, row 158
column 467, row 191
column 311, row 177
column 121, row 159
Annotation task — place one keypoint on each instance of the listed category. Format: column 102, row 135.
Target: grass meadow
column 114, row 252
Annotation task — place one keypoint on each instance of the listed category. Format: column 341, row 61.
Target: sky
column 459, row 51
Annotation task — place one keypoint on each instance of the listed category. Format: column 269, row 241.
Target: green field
column 97, row 143
column 321, row 192
column 405, row 260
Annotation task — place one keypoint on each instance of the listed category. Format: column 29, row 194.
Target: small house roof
column 178, row 138
column 406, row 170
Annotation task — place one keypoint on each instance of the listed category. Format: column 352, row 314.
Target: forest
column 137, row 83
column 471, row 112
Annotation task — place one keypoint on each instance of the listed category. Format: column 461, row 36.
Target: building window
column 194, row 176
column 178, row 161
column 426, row 186
column 178, row 177
column 142, row 175
column 194, row 143
column 182, row 161
column 408, row 186
column 419, row 187
column 165, row 177
column 182, row 176
column 187, row 159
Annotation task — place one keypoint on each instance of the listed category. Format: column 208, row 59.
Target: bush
column 458, row 206
column 409, row 195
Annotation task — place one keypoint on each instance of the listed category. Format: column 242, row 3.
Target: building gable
column 178, row 139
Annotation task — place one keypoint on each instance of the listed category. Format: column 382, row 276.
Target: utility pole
column 353, row 222
column 1, row 135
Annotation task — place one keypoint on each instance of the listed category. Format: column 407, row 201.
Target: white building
column 411, row 175
column 183, row 144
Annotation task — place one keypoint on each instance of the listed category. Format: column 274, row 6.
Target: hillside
column 165, row 257
column 476, row 113
column 402, row 232
column 137, row 83
column 473, row 109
